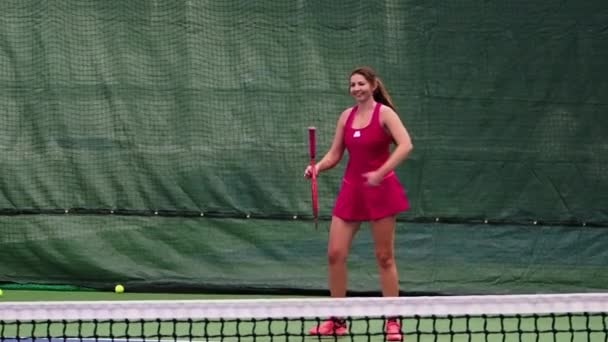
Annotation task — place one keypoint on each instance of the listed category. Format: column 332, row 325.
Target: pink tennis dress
column 368, row 149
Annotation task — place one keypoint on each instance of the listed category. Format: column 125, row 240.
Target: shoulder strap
column 350, row 117
column 376, row 114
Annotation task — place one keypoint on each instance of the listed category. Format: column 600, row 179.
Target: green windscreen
column 162, row 144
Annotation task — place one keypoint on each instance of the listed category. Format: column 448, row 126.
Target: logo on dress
column 357, row 134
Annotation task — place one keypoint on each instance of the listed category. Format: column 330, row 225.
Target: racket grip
column 312, row 142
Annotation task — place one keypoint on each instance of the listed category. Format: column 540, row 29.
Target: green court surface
column 281, row 330
column 526, row 328
column 43, row 295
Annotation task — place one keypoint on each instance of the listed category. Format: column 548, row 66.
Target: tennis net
column 557, row 317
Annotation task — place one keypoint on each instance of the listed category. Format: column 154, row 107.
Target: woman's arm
column 336, row 151
column 401, row 137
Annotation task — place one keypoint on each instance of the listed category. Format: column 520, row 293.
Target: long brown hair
column 380, row 93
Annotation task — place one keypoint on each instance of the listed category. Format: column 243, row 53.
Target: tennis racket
column 312, row 146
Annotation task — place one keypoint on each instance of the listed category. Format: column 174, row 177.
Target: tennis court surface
column 562, row 317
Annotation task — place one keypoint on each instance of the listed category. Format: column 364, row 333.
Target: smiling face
column 361, row 89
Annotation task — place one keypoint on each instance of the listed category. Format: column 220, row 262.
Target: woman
column 370, row 191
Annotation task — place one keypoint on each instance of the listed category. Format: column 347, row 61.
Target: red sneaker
column 331, row 327
column 393, row 331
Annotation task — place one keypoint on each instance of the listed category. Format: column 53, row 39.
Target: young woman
column 370, row 191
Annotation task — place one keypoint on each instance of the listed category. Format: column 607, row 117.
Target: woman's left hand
column 373, row 178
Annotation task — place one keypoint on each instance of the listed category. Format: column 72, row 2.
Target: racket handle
column 312, row 142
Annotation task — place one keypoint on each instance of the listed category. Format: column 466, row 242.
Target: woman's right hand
column 309, row 170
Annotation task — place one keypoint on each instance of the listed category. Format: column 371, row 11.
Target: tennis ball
column 1, row 292
column 119, row 289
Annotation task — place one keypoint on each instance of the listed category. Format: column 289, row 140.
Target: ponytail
column 381, row 94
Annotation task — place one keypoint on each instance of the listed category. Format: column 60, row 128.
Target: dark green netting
column 185, row 107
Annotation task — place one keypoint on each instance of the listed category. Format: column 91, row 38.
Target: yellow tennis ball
column 119, row 289
column 1, row 292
